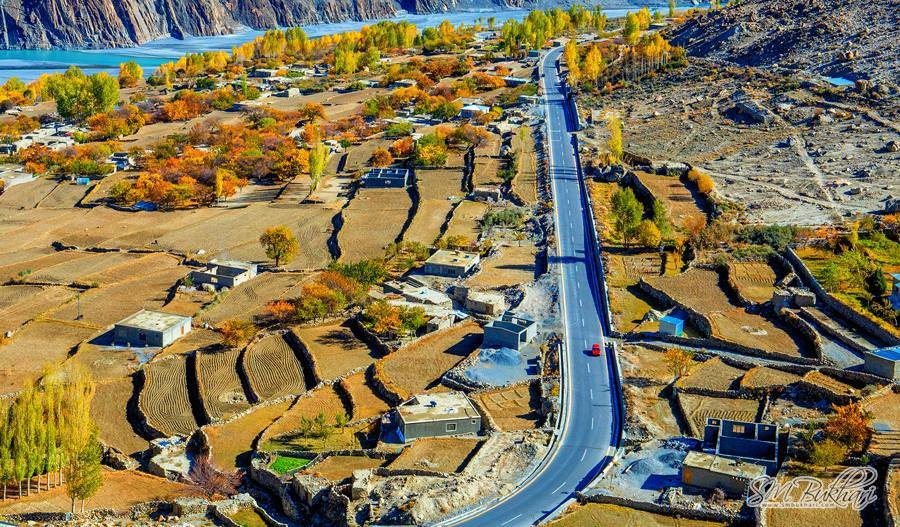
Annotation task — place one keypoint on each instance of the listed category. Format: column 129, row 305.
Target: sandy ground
column 513, row 408
column 444, row 454
column 120, row 491
column 389, row 209
column 335, row 349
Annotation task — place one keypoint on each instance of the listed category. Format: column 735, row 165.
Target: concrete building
column 884, row 362
column 404, row 83
column 414, row 291
column 121, row 160
column 454, row 264
column 750, row 442
column 290, row 92
column 485, row 302
column 509, row 331
column 471, row 111
column 151, row 329
column 671, row 325
column 710, row 471
column 387, row 178
column 224, row 273
column 431, row 415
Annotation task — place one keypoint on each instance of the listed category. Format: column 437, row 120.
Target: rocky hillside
column 118, row 23
column 854, row 39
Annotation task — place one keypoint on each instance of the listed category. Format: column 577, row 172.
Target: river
column 27, row 65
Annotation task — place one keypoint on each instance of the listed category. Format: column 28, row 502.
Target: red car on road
column 595, row 350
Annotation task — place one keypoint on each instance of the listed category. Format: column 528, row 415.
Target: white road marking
column 583, row 454
column 582, row 322
column 592, row 394
column 589, row 367
column 580, row 304
column 511, row 519
column 559, row 487
column 592, row 423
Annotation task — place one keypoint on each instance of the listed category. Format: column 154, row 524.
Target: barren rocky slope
column 840, row 38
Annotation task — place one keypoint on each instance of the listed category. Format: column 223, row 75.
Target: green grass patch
column 248, row 518
column 286, row 464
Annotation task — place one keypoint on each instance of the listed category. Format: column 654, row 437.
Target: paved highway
column 583, row 447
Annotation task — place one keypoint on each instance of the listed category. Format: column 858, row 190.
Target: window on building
column 142, row 336
column 451, row 427
column 738, row 429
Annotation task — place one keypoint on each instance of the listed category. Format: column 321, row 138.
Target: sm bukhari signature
column 853, row 488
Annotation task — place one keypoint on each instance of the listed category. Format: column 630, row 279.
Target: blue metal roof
column 671, row 319
column 892, row 353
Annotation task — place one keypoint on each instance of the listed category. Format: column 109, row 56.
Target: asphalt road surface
column 584, row 443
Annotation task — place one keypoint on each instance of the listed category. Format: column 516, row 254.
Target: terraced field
column 335, row 349
column 21, row 303
column 698, row 408
column 466, row 220
column 755, row 280
column 220, row 386
column 525, row 182
column 764, row 376
column 386, row 208
column 699, row 289
column 443, row 454
column 436, row 190
column 339, row 468
column 272, row 369
column 513, row 408
column 485, row 173
column 325, row 400
column 108, row 411
column 713, row 375
column 250, row 298
column 366, row 403
column 418, row 367
column 671, row 191
column 232, row 441
column 36, row 345
column 164, row 399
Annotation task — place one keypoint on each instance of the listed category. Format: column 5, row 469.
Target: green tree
column 827, row 453
column 79, row 96
column 632, row 29
column 84, row 475
column 318, row 159
column 280, row 244
column 661, row 219
column 6, row 462
column 671, row 8
column 627, row 213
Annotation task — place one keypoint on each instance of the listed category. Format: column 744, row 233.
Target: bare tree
column 210, row 480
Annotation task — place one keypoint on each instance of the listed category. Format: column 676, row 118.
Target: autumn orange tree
column 381, row 158
column 850, row 425
column 402, row 147
column 236, row 333
column 679, row 361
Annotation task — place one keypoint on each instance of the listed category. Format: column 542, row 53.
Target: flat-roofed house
column 509, row 331
column 884, row 362
column 454, row 264
column 710, row 471
column 224, row 273
column 148, row 328
column 387, row 178
column 432, row 415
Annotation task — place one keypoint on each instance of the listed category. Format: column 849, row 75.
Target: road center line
column 559, row 487
column 511, row 519
column 592, row 394
column 592, row 423
column 583, row 454
column 589, row 367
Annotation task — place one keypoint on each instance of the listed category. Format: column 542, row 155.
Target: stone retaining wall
column 842, row 309
column 890, row 508
column 803, row 327
column 711, row 515
column 297, row 344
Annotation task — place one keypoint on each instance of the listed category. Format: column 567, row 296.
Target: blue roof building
column 884, row 362
column 671, row 325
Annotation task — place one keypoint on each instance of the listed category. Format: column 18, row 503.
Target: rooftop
column 476, row 108
column 724, row 465
column 672, row 319
column 448, row 257
column 152, row 320
column 892, row 353
column 387, row 173
column 437, row 407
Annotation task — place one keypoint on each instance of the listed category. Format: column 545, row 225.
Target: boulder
column 309, row 488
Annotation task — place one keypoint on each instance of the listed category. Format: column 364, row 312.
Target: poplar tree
column 6, row 472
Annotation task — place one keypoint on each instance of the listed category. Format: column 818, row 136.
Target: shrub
column 511, row 217
column 704, row 183
column 236, row 333
column 398, row 130
column 775, row 236
column 827, row 453
column 381, row 158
